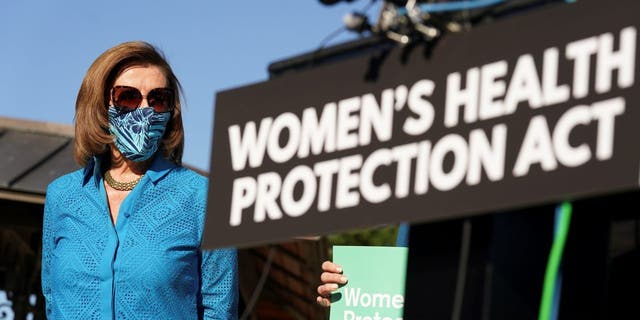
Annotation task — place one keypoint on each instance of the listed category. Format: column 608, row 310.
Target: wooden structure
column 33, row 154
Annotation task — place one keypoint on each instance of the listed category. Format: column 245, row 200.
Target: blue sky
column 47, row 46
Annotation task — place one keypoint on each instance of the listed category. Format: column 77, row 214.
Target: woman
column 121, row 237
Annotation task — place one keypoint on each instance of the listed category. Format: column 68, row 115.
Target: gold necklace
column 120, row 186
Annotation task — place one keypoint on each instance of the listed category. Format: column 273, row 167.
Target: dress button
column 127, row 214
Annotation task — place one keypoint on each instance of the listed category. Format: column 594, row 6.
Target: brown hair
column 91, row 120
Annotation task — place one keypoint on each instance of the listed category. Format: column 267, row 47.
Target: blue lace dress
column 148, row 265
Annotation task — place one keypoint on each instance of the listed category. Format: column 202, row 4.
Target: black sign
column 535, row 108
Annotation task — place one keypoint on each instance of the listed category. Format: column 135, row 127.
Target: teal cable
column 553, row 264
column 555, row 305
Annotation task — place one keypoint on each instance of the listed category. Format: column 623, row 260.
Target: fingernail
column 343, row 279
column 339, row 269
column 333, row 286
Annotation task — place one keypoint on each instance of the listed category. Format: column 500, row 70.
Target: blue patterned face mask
column 137, row 133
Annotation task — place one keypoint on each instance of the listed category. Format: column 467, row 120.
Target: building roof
column 33, row 154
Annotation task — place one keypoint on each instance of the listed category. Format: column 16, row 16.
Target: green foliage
column 377, row 236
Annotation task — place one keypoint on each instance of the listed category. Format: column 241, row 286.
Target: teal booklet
column 375, row 290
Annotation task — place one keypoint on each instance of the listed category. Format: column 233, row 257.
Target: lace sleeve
column 218, row 284
column 47, row 249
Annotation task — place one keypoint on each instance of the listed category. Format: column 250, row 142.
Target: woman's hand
column 331, row 278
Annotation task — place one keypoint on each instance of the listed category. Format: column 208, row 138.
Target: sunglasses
column 127, row 99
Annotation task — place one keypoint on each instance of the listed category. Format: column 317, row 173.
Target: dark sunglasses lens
column 161, row 99
column 126, row 97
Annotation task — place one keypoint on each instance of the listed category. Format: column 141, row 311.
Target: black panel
column 60, row 163
column 21, row 151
